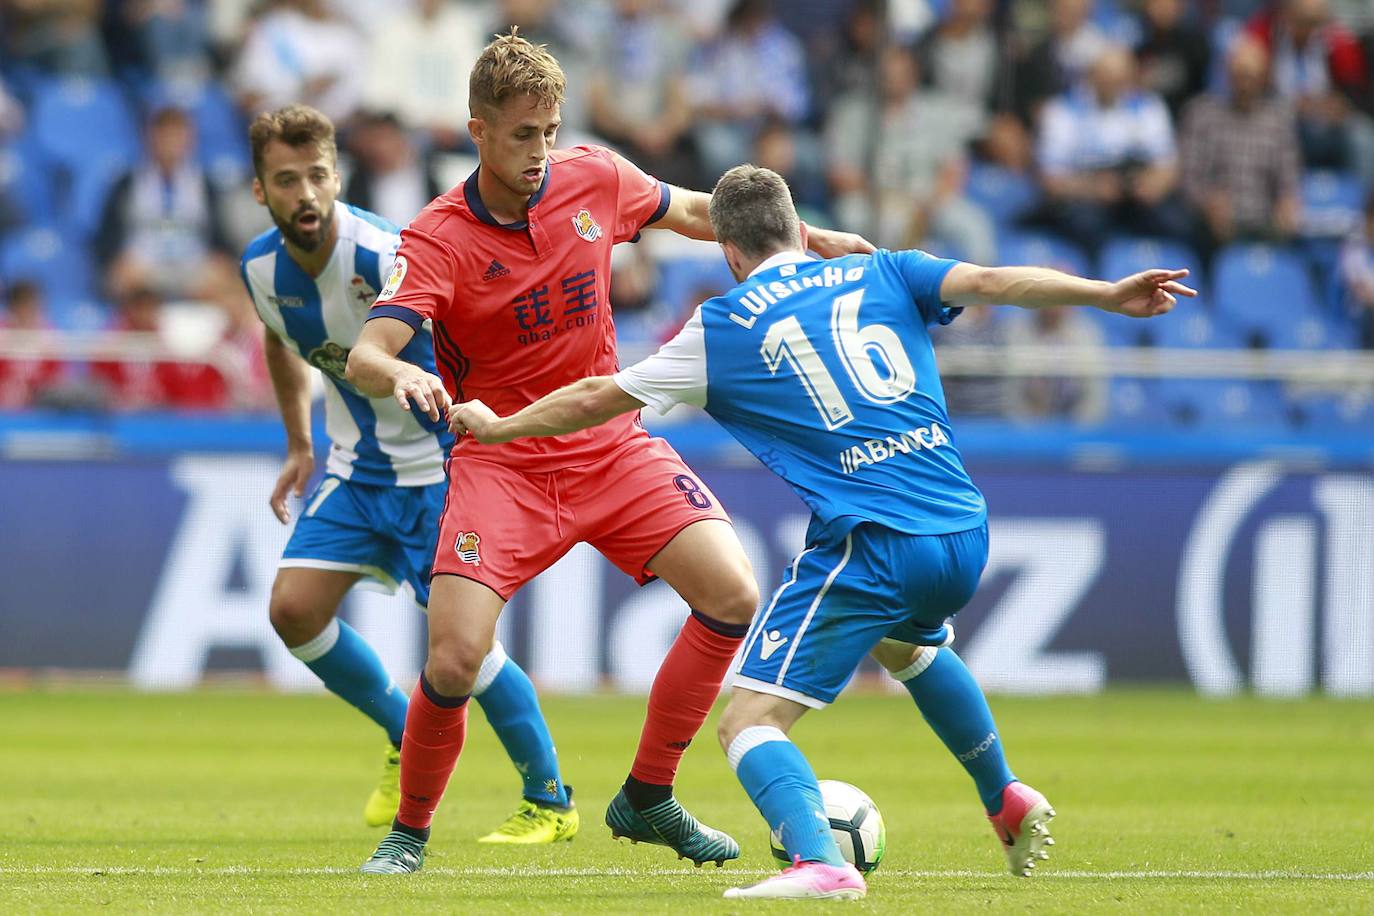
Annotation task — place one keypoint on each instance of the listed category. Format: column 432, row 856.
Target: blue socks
column 507, row 697
column 350, row 667
column 957, row 711
column 783, row 787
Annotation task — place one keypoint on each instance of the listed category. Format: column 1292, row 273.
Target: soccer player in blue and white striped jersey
column 375, row 514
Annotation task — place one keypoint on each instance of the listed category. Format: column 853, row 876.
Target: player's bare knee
column 736, row 601
column 895, row 656
column 296, row 618
column 452, row 667
column 732, row 721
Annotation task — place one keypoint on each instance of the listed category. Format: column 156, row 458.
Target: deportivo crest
column 361, row 292
column 331, row 359
column 468, row 547
column 585, row 226
column 393, row 280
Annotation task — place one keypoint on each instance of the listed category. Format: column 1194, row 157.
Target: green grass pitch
column 242, row 801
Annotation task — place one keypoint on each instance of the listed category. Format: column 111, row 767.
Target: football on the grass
column 855, row 822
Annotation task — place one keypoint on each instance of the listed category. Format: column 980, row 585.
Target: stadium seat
column 79, row 123
column 221, row 138
column 1221, row 403
column 1331, row 411
column 87, row 196
column 1311, row 330
column 1001, row 193
column 1261, row 287
column 1043, row 251
column 1332, row 204
column 42, row 254
column 1138, row 401
column 1191, row 328
column 1123, row 256
column 26, row 185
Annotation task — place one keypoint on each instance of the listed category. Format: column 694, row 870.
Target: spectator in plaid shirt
column 1241, row 155
column 753, row 72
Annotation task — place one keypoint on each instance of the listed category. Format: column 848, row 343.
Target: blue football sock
column 953, row 704
column 350, row 667
column 507, row 697
column 783, row 787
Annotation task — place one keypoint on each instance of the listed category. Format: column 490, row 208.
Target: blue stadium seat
column 1123, row 256
column 25, row 182
column 1330, row 411
column 87, row 196
column 1191, row 328
column 42, row 254
column 1138, row 401
column 221, row 134
column 1332, row 203
column 1260, row 287
column 1001, row 193
column 1313, row 330
column 1221, row 403
column 1043, row 251
column 79, row 123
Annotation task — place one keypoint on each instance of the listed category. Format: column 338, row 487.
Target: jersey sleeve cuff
column 400, row 313
column 655, row 399
column 665, row 197
column 948, row 313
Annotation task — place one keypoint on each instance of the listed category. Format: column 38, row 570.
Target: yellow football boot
column 533, row 824
column 381, row 806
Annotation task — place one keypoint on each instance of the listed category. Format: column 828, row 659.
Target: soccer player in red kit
column 512, row 269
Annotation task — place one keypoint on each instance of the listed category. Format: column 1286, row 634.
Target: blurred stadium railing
column 1230, row 556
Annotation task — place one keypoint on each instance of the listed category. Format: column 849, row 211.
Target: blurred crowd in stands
column 1235, row 137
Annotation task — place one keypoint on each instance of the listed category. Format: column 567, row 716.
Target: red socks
column 433, row 739
column 687, row 684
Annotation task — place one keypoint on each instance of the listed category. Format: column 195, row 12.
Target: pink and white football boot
column 1023, row 826
column 808, row 879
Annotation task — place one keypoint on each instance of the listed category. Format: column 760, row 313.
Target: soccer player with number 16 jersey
column 825, row 371
column 511, row 271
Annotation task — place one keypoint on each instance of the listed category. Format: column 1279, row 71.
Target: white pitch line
column 161, row 871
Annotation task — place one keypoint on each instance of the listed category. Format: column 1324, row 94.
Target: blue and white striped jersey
column 372, row 440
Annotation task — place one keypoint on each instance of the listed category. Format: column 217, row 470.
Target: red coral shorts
column 503, row 526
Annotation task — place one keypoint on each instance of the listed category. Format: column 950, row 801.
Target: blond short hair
column 512, row 66
column 294, row 125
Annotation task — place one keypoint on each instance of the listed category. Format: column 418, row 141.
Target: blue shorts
column 384, row 532
column 844, row 594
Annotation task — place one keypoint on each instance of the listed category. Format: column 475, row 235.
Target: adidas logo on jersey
column 495, row 271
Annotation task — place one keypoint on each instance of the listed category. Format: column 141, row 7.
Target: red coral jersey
column 521, row 309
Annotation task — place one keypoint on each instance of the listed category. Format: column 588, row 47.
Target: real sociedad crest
column 585, row 226
column 468, row 547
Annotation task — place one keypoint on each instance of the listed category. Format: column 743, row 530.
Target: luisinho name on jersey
column 825, row 371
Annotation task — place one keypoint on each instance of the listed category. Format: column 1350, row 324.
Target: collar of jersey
column 479, row 209
column 779, row 259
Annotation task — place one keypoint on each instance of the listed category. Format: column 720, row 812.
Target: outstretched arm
column 376, row 371
column 1142, row 295
column 585, row 403
column 688, row 214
